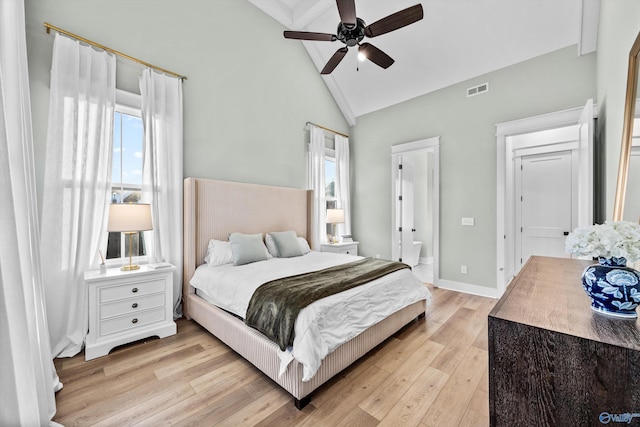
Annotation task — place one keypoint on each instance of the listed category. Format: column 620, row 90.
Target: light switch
column 468, row 221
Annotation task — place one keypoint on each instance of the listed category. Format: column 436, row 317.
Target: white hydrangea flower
column 619, row 239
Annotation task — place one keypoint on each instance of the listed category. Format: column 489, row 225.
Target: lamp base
column 129, row 267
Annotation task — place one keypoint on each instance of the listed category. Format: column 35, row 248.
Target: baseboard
column 426, row 260
column 468, row 288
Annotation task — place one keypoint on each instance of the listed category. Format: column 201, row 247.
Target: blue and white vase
column 613, row 287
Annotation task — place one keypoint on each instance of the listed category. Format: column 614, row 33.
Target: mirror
column 628, row 208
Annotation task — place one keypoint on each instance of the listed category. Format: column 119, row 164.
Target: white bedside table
column 349, row 248
column 125, row 306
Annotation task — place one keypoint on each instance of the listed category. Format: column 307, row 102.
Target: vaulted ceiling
column 457, row 40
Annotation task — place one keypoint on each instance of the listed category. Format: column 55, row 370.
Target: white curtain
column 342, row 182
column 77, row 184
column 316, row 183
column 162, row 179
column 27, row 376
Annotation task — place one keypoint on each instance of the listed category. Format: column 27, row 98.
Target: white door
column 545, row 204
column 407, row 209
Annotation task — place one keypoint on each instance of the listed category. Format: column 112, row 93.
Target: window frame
column 130, row 104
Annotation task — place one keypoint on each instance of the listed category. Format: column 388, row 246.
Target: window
column 330, row 183
column 126, row 164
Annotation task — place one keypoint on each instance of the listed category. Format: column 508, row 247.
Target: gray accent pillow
column 287, row 243
column 271, row 245
column 247, row 248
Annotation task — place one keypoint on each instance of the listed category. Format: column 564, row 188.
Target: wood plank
column 451, row 403
column 149, row 407
column 187, row 362
column 412, row 406
column 345, row 396
column 457, row 336
column 214, row 401
column 258, row 409
column 382, row 399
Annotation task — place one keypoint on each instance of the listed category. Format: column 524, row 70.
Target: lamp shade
column 126, row 217
column 335, row 216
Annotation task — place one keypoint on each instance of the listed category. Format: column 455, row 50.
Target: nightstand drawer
column 347, row 248
column 131, row 305
column 114, row 293
column 131, row 321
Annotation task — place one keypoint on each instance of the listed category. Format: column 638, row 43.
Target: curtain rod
column 327, row 129
column 50, row 27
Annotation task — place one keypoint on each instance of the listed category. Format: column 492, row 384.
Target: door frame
column 431, row 145
column 505, row 239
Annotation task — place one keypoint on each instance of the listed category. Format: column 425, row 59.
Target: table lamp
column 334, row 216
column 129, row 218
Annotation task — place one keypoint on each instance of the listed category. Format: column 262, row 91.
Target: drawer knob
column 135, row 320
column 134, row 290
column 134, row 305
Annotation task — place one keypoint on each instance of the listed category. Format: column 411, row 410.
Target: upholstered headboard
column 213, row 209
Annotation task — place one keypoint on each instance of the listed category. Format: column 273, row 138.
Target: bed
column 214, row 209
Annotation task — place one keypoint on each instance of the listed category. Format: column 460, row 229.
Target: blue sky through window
column 127, row 150
column 330, row 178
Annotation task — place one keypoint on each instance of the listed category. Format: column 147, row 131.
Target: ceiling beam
column 306, row 11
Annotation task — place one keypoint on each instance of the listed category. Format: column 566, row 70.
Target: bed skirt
column 263, row 353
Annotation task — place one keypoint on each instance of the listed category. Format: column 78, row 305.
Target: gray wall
column 553, row 82
column 249, row 91
column 618, row 28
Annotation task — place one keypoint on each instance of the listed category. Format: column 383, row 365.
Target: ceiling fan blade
column 347, row 11
column 334, row 61
column 375, row 55
column 397, row 20
column 305, row 35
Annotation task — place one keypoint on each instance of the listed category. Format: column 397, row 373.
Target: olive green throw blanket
column 275, row 305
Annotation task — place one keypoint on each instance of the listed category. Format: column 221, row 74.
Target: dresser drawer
column 134, row 320
column 114, row 293
column 131, row 305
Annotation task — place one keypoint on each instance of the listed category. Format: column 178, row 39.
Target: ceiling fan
column 351, row 30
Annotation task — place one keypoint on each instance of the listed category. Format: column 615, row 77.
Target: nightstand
column 349, row 248
column 125, row 306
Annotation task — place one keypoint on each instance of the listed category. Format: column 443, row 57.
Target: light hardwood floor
column 433, row 372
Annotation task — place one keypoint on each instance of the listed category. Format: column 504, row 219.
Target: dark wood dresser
column 555, row 362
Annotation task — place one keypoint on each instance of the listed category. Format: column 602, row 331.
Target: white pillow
column 273, row 249
column 218, row 253
column 304, row 245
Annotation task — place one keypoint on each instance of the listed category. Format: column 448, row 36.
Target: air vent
column 477, row 90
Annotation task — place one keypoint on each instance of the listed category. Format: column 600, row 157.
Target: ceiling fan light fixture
column 352, row 30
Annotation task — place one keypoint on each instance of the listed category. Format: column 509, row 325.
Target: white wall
column 466, row 126
column 248, row 94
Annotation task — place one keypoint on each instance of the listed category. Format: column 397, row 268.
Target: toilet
column 415, row 253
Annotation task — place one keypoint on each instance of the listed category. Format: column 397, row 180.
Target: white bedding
column 325, row 324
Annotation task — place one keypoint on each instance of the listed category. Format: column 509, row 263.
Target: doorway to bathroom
column 415, row 170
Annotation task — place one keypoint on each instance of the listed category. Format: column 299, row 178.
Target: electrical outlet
column 463, row 269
